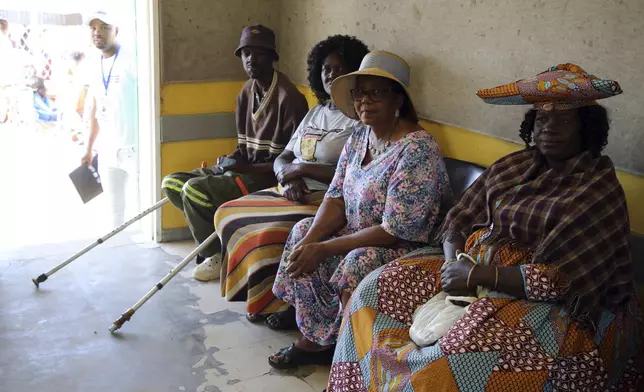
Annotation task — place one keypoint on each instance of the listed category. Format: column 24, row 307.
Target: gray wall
column 456, row 47
column 199, row 36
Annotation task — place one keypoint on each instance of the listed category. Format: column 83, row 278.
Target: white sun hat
column 377, row 63
column 101, row 15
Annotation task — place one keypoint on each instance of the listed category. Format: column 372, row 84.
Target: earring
column 397, row 114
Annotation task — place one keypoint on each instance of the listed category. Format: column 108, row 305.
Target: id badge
column 102, row 111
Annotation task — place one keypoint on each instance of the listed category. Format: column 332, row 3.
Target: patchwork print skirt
column 500, row 344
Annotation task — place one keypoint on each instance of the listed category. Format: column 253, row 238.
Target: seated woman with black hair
column 254, row 228
column 545, row 230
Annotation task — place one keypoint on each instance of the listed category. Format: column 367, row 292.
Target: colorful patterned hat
column 562, row 87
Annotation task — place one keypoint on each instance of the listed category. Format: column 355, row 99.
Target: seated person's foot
column 256, row 317
column 302, row 352
column 209, row 270
column 282, row 320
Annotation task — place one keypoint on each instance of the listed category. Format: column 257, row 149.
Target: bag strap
column 469, row 300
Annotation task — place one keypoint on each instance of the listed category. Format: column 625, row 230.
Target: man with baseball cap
column 269, row 109
column 113, row 116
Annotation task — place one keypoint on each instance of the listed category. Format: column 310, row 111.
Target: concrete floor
column 186, row 338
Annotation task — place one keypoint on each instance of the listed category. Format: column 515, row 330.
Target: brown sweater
column 264, row 135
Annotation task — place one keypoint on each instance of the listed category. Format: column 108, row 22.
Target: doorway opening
column 50, row 64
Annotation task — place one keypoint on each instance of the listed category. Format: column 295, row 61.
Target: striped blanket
column 253, row 231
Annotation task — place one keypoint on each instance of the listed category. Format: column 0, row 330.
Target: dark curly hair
column 594, row 128
column 350, row 49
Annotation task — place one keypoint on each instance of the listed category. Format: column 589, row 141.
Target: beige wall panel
column 456, row 47
column 200, row 36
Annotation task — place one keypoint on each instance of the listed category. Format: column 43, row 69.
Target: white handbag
column 433, row 319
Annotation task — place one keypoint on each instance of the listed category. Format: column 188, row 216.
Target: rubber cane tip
column 116, row 325
column 125, row 317
column 41, row 278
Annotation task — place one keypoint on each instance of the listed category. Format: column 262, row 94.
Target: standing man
column 269, row 109
column 113, row 117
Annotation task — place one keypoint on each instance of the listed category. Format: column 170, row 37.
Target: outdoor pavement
column 56, row 338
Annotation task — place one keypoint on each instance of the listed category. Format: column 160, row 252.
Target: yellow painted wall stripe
column 186, row 156
column 199, row 98
column 308, row 93
column 218, row 97
column 207, row 97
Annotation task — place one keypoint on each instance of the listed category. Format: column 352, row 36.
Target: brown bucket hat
column 259, row 36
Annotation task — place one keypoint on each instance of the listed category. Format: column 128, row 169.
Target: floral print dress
column 406, row 191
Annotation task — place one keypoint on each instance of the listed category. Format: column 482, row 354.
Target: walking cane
column 43, row 277
column 116, row 325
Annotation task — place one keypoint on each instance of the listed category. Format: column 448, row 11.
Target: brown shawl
column 575, row 218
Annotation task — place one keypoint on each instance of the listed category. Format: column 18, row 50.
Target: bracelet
column 469, row 275
column 465, row 255
column 496, row 278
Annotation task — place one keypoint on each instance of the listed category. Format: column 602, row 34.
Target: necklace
column 382, row 148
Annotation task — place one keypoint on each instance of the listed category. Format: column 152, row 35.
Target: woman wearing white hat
column 389, row 194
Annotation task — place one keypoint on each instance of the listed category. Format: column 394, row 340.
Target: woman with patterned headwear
column 545, row 231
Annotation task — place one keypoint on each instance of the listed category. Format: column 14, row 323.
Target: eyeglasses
column 375, row 95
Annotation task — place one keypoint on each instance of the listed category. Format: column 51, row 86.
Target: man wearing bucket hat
column 269, row 109
column 113, row 117
column 389, row 195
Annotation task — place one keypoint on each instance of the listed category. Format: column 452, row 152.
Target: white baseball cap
column 103, row 16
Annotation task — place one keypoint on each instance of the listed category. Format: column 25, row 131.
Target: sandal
column 293, row 357
column 256, row 317
column 282, row 321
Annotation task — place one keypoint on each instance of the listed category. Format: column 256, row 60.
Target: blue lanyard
column 106, row 82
